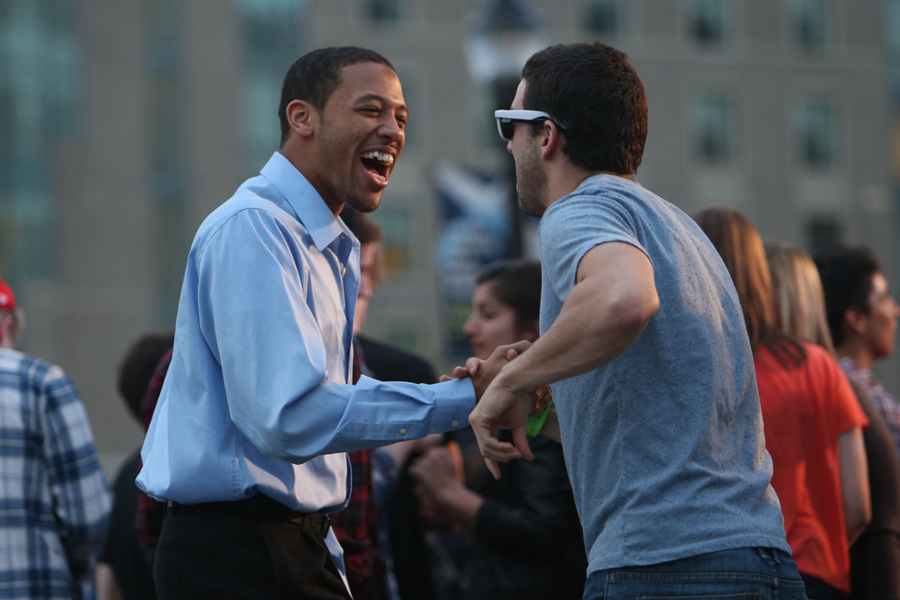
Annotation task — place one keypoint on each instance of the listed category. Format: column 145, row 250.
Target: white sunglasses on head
column 507, row 119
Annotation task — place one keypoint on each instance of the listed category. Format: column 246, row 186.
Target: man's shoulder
column 389, row 363
column 255, row 194
column 255, row 204
column 16, row 363
column 606, row 195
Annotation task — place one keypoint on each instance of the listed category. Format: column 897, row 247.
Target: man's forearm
column 590, row 331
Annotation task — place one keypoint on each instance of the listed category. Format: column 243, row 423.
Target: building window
column 39, row 67
column 272, row 31
column 707, row 21
column 811, row 24
column 892, row 15
column 713, row 124
column 383, row 11
column 165, row 113
column 817, row 133
column 822, row 233
column 602, row 16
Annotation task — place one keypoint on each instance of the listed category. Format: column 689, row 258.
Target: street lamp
column 504, row 34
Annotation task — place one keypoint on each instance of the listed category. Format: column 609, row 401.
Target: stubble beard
column 331, row 147
column 531, row 184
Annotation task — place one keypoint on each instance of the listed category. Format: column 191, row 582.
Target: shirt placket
column 343, row 252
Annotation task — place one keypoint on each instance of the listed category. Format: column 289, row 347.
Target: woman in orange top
column 799, row 304
column 813, row 423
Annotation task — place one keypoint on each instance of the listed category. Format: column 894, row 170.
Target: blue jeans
column 741, row 574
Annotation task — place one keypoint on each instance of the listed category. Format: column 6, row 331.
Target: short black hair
column 596, row 96
column 517, row 284
column 846, row 274
column 137, row 367
column 314, row 76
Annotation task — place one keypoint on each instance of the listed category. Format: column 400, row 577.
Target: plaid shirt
column 884, row 403
column 55, row 502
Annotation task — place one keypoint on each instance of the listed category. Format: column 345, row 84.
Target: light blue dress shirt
column 257, row 399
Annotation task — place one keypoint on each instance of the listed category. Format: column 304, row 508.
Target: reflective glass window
column 822, row 232
column 706, row 21
column 714, row 128
column 817, row 133
column 811, row 24
column 383, row 11
column 602, row 16
column 273, row 40
column 39, row 93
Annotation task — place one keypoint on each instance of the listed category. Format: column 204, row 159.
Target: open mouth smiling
column 378, row 164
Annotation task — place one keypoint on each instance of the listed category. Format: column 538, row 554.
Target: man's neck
column 308, row 166
column 857, row 352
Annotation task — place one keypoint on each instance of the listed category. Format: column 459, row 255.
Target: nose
column 469, row 326
column 392, row 129
column 509, row 146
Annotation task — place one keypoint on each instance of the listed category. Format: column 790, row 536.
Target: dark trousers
column 255, row 548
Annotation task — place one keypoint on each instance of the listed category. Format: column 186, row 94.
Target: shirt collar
column 308, row 205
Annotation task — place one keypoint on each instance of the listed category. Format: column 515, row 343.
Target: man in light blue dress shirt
column 248, row 439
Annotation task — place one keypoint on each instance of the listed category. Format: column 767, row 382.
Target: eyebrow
column 382, row 99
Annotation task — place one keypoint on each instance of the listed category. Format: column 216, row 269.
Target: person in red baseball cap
column 55, row 502
column 11, row 319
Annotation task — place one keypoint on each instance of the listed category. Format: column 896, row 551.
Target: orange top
column 804, row 410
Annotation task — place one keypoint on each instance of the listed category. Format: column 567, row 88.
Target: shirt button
column 454, row 422
column 403, row 431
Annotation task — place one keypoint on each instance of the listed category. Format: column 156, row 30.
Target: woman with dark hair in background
column 800, row 312
column 813, row 423
column 528, row 540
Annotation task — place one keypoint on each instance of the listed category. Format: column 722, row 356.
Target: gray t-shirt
column 664, row 445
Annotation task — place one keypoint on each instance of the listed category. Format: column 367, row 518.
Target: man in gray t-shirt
column 644, row 343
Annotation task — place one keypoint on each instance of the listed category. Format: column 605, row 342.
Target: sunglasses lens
column 507, row 129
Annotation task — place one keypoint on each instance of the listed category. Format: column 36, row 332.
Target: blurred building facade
column 123, row 123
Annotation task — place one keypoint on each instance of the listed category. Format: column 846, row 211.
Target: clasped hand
column 500, row 404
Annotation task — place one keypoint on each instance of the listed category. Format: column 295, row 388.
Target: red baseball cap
column 7, row 298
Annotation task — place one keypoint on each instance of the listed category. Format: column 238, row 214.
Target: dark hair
column 517, row 284
column 138, row 365
column 596, row 96
column 366, row 231
column 846, row 275
column 315, row 75
column 741, row 249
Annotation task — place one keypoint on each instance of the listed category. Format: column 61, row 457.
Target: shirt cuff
column 454, row 401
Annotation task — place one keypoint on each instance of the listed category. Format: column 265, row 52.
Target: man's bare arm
column 613, row 299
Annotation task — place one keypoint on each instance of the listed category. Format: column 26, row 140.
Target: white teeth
column 380, row 156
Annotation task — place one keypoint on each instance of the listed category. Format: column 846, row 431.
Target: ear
column 302, row 117
column 855, row 321
column 6, row 337
column 550, row 139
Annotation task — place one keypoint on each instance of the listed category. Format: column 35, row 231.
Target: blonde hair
column 798, row 299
